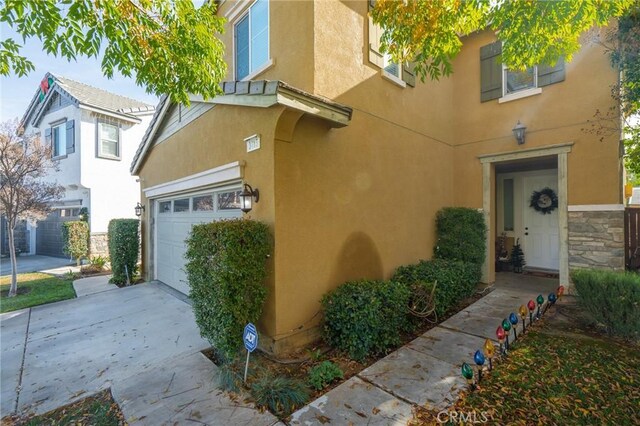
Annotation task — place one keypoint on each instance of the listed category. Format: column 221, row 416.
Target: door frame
column 488, row 162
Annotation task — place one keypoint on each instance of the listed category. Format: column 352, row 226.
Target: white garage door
column 174, row 219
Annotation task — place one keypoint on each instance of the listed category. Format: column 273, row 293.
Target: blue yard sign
column 250, row 337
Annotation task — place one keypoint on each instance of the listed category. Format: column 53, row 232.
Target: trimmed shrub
column 613, row 298
column 124, row 241
column 364, row 318
column 456, row 280
column 75, row 236
column 226, row 267
column 323, row 374
column 461, row 235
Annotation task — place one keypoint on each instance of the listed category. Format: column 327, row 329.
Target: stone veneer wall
column 98, row 244
column 596, row 239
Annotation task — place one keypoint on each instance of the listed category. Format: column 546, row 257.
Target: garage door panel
column 172, row 230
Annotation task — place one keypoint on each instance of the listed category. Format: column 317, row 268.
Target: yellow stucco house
column 353, row 158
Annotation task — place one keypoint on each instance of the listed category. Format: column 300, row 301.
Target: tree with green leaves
column 169, row 46
column 430, row 32
column 24, row 160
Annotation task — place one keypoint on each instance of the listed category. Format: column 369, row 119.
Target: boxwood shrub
column 456, row 279
column 226, row 267
column 124, row 242
column 461, row 235
column 613, row 298
column 75, row 236
column 365, row 318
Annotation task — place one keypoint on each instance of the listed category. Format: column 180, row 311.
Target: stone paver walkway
column 426, row 372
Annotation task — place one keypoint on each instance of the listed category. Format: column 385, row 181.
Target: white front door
column 540, row 244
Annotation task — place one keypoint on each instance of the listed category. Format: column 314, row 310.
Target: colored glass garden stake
column 513, row 319
column 540, row 301
column 506, row 325
column 478, row 358
column 523, row 314
column 551, row 301
column 467, row 373
column 560, row 292
column 531, row 305
column 500, row 335
column 489, row 351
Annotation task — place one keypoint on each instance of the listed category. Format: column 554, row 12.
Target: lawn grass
column 40, row 289
column 557, row 375
column 97, row 410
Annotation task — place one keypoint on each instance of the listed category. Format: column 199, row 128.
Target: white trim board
column 217, row 175
column 596, row 208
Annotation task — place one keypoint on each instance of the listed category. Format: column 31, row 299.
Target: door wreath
column 544, row 201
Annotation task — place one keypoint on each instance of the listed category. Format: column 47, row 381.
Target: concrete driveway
column 140, row 341
column 36, row 263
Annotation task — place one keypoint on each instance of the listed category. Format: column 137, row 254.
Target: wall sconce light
column 139, row 209
column 518, row 132
column 247, row 196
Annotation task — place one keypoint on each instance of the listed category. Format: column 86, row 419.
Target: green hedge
column 613, row 298
column 461, row 235
column 124, row 241
column 226, row 267
column 75, row 236
column 364, row 318
column 456, row 280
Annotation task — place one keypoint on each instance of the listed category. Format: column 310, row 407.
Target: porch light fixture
column 247, row 196
column 139, row 209
column 518, row 132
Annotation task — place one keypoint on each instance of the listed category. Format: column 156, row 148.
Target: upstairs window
column 108, row 140
column 61, row 138
column 499, row 82
column 251, row 38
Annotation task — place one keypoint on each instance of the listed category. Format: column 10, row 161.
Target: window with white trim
column 251, row 39
column 59, row 139
column 108, row 140
column 392, row 67
column 517, row 81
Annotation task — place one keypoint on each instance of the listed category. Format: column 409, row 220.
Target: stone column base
column 98, row 244
column 596, row 239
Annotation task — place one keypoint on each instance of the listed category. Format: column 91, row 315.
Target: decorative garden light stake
column 478, row 358
column 531, row 305
column 513, row 319
column 560, row 292
column 506, row 325
column 523, row 314
column 500, row 335
column 540, row 301
column 552, row 301
column 467, row 373
column 489, row 351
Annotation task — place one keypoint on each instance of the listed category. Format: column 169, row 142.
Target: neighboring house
column 93, row 135
column 353, row 157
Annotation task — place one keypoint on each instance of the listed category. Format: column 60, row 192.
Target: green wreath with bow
column 544, row 201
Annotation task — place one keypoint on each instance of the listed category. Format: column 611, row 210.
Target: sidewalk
column 426, row 372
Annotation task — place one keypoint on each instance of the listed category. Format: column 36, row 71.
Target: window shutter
column 119, row 147
column 375, row 56
column 549, row 75
column 71, row 137
column 47, row 139
column 408, row 73
column 491, row 71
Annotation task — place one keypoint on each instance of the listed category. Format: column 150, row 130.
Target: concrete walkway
column 426, row 372
column 93, row 285
column 140, row 341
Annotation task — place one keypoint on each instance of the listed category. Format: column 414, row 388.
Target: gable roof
column 84, row 95
column 254, row 93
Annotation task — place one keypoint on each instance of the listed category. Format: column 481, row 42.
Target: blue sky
column 16, row 92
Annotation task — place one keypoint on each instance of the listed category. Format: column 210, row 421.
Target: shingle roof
column 100, row 98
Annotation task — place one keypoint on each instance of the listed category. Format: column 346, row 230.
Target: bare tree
column 24, row 160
